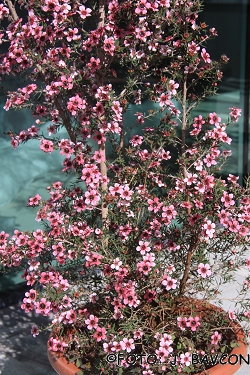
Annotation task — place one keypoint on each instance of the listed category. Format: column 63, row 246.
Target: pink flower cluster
column 192, row 322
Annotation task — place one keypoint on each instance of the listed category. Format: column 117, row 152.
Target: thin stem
column 12, row 10
column 192, row 248
column 66, row 121
column 102, row 146
column 194, row 243
column 184, row 117
column 184, row 128
column 101, row 13
column 104, row 186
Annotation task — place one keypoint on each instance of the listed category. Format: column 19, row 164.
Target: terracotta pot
column 60, row 364
column 229, row 366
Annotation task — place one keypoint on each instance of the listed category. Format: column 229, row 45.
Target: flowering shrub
column 148, row 223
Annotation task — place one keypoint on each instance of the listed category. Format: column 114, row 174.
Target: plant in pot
column 132, row 252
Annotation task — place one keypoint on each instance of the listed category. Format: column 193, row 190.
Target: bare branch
column 12, row 10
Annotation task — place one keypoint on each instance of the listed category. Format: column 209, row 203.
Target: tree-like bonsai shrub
column 148, row 228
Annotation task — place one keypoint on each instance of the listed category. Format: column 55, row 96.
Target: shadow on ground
column 20, row 352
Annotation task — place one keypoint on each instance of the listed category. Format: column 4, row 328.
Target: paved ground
column 20, row 352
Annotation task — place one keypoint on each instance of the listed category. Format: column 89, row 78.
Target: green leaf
column 78, row 363
column 179, row 345
column 187, row 370
column 234, row 345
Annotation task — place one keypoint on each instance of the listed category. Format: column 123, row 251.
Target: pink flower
column 164, row 100
column 193, row 323
column 72, row 34
column 124, row 231
column 143, row 247
column 138, row 334
column 56, row 345
column 126, row 193
column 232, row 178
column 247, row 314
column 214, row 119
column 92, row 197
column 209, row 228
column 14, row 143
column 34, row 201
column 142, row 33
column 172, row 246
column 116, row 189
column 186, row 359
column 194, row 218
column 142, row 7
column 144, row 267
column 209, row 160
column 232, row 315
column 205, row 56
column 27, row 305
column 99, row 137
column 100, row 334
column 93, row 259
column 248, row 263
column 66, row 82
column 91, row 322
column 165, row 344
column 130, row 299
column 162, row 354
column 224, row 217
column 127, row 344
column 193, row 48
column 46, row 146
column 186, row 205
column 154, row 204
column 234, row 226
column 150, row 295
column 107, row 347
column 34, row 331
column 227, row 199
column 204, row 270
column 51, row 6
column 215, row 338
column 169, row 212
column 3, row 11
column 169, row 283
column 197, row 125
column 116, row 264
column 173, row 86
column 182, row 323
column 190, row 179
column 43, row 307
column 136, row 140
column 31, row 294
column 235, row 114
column 109, row 45
column 99, row 156
column 116, row 346
column 84, row 12
column 71, row 316
column 76, row 104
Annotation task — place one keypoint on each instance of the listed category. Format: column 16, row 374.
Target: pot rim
column 63, row 367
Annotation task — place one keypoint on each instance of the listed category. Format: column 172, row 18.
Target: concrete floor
column 20, row 352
